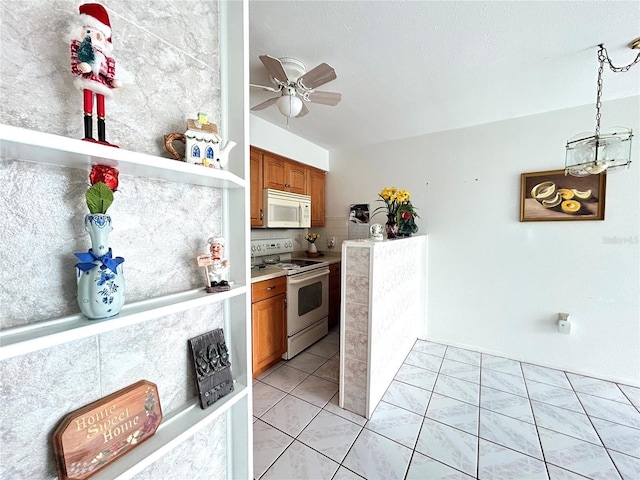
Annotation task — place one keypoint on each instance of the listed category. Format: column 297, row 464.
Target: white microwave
column 286, row 210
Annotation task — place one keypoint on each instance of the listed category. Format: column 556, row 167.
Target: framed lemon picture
column 554, row 196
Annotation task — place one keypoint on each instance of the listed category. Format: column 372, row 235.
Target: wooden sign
column 93, row 436
column 213, row 368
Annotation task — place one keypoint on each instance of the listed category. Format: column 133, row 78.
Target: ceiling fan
column 296, row 86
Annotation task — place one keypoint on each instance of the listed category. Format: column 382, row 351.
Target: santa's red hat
column 94, row 15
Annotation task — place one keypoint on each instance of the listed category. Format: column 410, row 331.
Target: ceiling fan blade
column 317, row 76
column 303, row 112
column 324, row 98
column 265, row 104
column 275, row 68
column 267, row 89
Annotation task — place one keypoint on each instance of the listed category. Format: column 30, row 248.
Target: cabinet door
column 274, row 172
column 316, row 183
column 255, row 169
column 296, row 176
column 269, row 332
column 334, row 294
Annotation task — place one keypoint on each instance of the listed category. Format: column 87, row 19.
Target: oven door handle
column 302, row 277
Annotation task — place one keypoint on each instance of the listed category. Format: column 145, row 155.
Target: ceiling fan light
column 289, row 105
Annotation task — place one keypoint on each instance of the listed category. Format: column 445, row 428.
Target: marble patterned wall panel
column 193, row 457
column 37, row 390
column 358, row 259
column 355, row 356
column 159, row 228
column 356, row 345
column 355, row 400
column 42, row 227
column 357, row 318
column 166, row 56
column 357, row 288
column 157, row 351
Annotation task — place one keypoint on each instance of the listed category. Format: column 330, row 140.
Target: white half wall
column 496, row 284
column 278, row 140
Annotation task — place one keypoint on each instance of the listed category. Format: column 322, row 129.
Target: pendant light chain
column 603, row 56
column 602, row 59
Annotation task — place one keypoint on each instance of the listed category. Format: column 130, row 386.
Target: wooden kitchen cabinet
column 334, row 294
column 269, row 323
column 280, row 173
column 255, row 170
column 316, row 189
column 269, row 170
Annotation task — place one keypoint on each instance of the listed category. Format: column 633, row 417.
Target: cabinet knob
column 288, row 185
column 261, row 214
column 270, row 288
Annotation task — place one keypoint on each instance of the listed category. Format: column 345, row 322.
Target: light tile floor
column 449, row 414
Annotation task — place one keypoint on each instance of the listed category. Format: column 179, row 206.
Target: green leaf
column 99, row 198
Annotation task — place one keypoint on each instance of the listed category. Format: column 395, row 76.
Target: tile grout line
column 575, row 392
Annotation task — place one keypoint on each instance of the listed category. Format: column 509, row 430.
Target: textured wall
column 487, row 270
column 397, row 283
column 168, row 58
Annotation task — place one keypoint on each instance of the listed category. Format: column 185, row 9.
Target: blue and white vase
column 99, row 275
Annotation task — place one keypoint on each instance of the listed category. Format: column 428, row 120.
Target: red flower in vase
column 106, row 175
column 104, row 181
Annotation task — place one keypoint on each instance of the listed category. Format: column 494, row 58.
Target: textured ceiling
column 407, row 68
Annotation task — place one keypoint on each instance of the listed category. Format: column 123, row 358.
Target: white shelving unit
column 236, row 407
column 43, row 148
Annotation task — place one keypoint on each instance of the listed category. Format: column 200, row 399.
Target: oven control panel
column 272, row 246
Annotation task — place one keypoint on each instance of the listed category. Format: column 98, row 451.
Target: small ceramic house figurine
column 202, row 141
column 202, row 144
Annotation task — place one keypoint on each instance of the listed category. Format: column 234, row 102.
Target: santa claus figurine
column 91, row 61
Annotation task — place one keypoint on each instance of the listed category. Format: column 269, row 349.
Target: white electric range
column 307, row 292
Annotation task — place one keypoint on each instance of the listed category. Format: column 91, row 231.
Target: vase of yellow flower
column 311, row 238
column 398, row 207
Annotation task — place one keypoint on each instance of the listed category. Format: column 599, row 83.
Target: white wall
column 278, row 140
column 496, row 284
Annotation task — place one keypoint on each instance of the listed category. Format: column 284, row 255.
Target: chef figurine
column 93, row 65
column 219, row 267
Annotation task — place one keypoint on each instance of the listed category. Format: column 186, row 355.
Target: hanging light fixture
column 602, row 151
column 289, row 103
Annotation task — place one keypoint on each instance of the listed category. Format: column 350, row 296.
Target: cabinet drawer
column 268, row 288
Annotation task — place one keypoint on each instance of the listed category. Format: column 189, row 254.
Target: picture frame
column 553, row 196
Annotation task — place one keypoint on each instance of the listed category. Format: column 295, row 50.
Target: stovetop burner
column 305, row 263
column 295, row 265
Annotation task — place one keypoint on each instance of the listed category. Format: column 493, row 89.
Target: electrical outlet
column 564, row 323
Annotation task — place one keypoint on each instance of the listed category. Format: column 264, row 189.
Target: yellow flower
column 395, row 201
column 312, row 237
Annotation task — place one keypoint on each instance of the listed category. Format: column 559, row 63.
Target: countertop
column 271, row 271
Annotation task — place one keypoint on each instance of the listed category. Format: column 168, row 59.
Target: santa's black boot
column 88, row 128
column 101, row 133
column 101, row 130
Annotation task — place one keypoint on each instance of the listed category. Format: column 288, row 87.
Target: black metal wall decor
column 212, row 366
